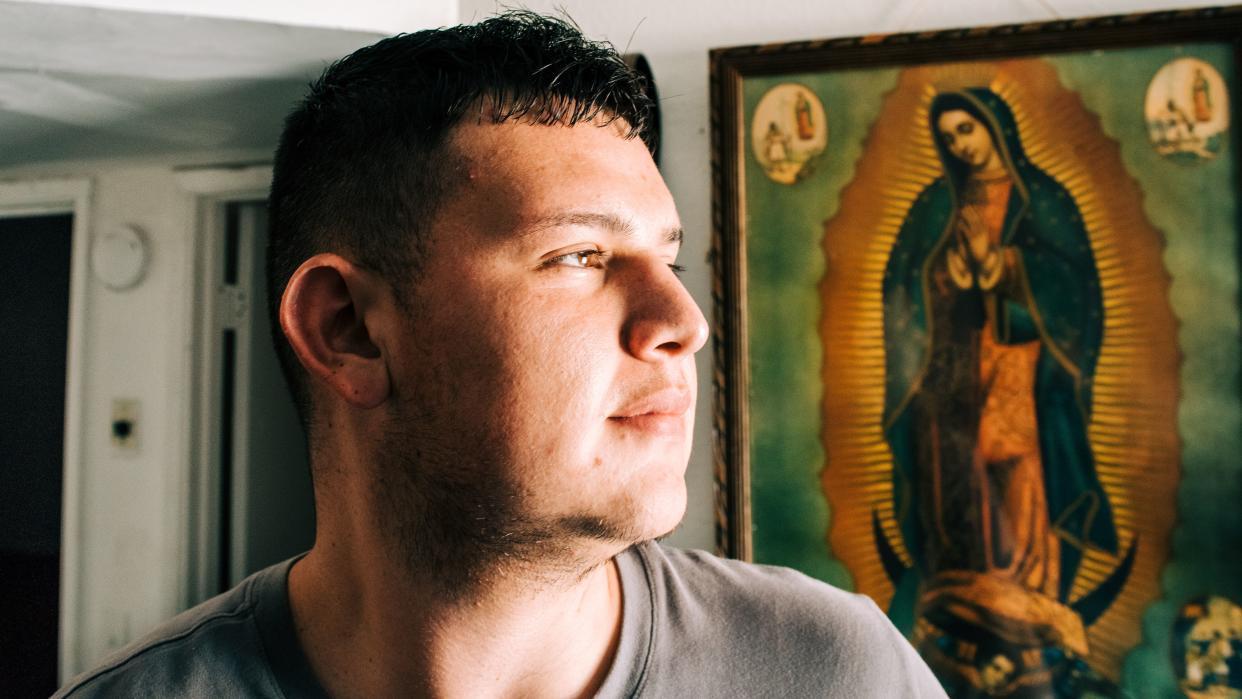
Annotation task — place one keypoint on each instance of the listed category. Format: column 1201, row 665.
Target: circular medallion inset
column 1187, row 110
column 788, row 131
column 1207, row 648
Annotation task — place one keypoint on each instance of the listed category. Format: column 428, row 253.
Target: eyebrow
column 606, row 221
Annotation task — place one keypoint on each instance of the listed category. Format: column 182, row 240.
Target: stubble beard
column 451, row 520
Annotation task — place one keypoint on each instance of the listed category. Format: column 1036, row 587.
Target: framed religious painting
column 978, row 345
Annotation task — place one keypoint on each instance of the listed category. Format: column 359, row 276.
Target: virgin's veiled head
column 986, row 109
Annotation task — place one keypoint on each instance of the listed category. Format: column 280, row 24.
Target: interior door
column 34, row 322
column 264, row 508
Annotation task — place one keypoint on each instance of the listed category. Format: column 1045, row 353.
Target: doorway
column 256, row 503
column 34, row 315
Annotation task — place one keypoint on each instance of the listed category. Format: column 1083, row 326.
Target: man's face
column 549, row 359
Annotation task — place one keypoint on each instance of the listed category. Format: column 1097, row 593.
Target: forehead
column 510, row 174
column 516, row 148
column 952, row 118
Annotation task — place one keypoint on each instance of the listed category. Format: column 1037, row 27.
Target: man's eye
column 582, row 259
column 677, row 269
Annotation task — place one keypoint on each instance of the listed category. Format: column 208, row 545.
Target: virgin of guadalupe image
column 993, row 324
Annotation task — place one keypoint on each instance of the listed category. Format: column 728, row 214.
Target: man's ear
column 324, row 313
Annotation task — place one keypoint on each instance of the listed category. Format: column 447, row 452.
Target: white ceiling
column 80, row 83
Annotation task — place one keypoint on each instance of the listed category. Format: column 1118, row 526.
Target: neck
column 370, row 626
column 993, row 169
column 990, row 175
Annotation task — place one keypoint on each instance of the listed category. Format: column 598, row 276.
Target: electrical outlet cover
column 124, row 425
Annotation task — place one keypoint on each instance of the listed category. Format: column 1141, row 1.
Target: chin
column 662, row 512
column 639, row 515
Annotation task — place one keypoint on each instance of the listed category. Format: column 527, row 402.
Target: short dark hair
column 360, row 169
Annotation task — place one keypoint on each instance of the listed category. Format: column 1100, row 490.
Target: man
column 473, row 263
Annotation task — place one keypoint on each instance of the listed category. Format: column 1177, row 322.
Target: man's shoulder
column 764, row 630
column 761, row 597
column 212, row 649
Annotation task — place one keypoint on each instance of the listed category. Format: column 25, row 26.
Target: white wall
column 136, row 341
column 676, row 35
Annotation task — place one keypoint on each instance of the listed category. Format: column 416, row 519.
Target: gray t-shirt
column 693, row 625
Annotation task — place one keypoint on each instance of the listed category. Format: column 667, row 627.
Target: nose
column 663, row 322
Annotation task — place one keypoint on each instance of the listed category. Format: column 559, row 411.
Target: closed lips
column 668, row 402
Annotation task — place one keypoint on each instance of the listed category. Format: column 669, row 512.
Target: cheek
column 554, row 370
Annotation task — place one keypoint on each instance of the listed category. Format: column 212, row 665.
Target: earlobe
column 324, row 313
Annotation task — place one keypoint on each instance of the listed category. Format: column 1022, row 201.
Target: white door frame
column 60, row 196
column 212, row 189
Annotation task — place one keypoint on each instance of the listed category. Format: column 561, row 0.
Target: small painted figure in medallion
column 1187, row 110
column 789, row 130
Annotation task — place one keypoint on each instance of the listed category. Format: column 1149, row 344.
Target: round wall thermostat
column 119, row 257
